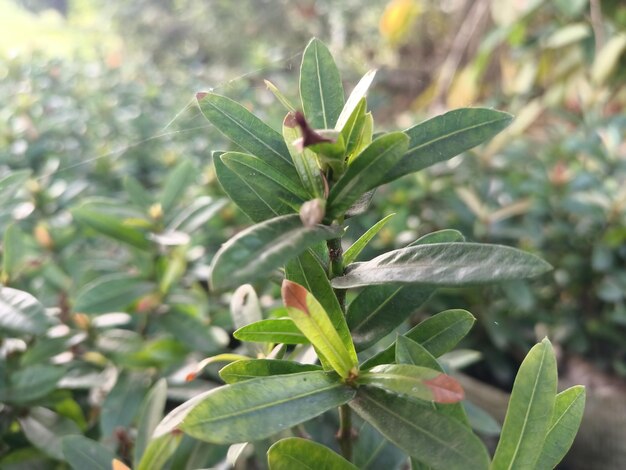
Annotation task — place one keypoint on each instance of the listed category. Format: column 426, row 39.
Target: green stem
column 344, row 435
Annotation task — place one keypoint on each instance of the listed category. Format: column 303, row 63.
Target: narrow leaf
column 446, row 264
column 159, row 451
column 256, row 251
column 307, row 271
column 311, row 318
column 413, row 381
column 437, row 334
column 358, row 93
column 446, row 136
column 279, row 95
column 355, row 249
column 256, row 409
column 435, row 439
column 294, row 453
column 280, row 330
column 21, row 313
column 177, row 182
column 150, row 416
column 304, row 159
column 353, row 129
column 321, row 90
column 246, row 130
column 82, row 453
column 240, row 371
column 245, row 309
column 123, row 402
column 111, row 293
column 365, row 172
column 568, row 414
column 530, row 410
column 45, row 430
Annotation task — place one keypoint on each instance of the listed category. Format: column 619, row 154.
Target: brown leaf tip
column 200, row 95
column 294, row 295
column 309, row 136
column 290, row 120
column 445, row 389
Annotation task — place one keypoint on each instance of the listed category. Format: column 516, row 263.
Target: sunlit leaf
column 294, row 453
column 240, row 371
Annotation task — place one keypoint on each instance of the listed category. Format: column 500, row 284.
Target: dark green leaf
column 111, row 293
column 437, row 334
column 46, row 429
column 21, row 313
column 258, row 408
column 365, row 172
column 192, row 331
column 122, row 403
column 437, row 440
column 481, row 421
column 280, row 330
column 177, row 182
column 355, row 249
column 159, row 451
column 294, row 453
column 530, row 410
column 246, row 130
column 321, row 90
column 137, row 194
column 445, row 136
column 240, row 371
column 371, row 451
column 150, row 416
column 568, row 414
column 82, row 453
column 256, row 251
column 33, row 382
column 447, row 264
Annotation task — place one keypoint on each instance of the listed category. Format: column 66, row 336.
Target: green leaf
column 258, row 408
column 311, row 318
column 372, row 451
column 365, row 172
column 81, row 453
column 358, row 93
column 258, row 205
column 307, row 271
column 263, row 177
column 240, row 371
column 31, row 383
column 279, row 95
column 150, row 416
column 294, row 453
column 280, row 330
column 378, row 310
column 246, row 130
column 138, row 195
column 11, row 183
column 122, row 403
column 435, row 439
column 321, row 90
column 111, row 293
column 446, row 136
column 355, row 249
column 440, row 236
column 193, row 331
column 411, row 352
column 304, row 160
column 530, row 410
column 107, row 218
column 568, row 414
column 46, row 429
column 193, row 216
column 159, row 451
column 21, row 313
column 353, row 128
column 444, row 264
column 12, row 252
column 178, row 181
column 245, row 308
column 481, row 421
column 437, row 334
column 256, row 251
column 365, row 137
column 413, row 381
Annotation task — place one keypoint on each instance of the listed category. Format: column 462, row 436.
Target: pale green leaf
column 279, row 330
column 294, row 453
column 355, row 249
column 247, row 369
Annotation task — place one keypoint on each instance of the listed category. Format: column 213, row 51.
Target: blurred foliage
column 96, row 125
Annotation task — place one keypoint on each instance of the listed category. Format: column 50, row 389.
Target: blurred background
column 98, row 116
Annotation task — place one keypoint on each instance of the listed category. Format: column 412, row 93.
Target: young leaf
column 304, row 159
column 264, row 177
column 307, row 271
column 258, row 408
column 150, row 416
column 321, row 90
column 372, row 451
column 177, row 182
column 435, row 439
column 279, row 95
column 365, row 137
column 355, row 249
column 351, row 132
column 82, row 453
column 246, row 130
column 159, row 451
column 257, row 204
column 446, row 136
column 358, row 93
column 254, row 252
column 311, row 318
column 413, row 381
column 111, row 293
column 444, row 264
column 568, row 413
column 530, row 410
column 365, row 172
column 437, row 334
column 279, row 330
column 21, row 313
column 294, row 453
column 240, row 371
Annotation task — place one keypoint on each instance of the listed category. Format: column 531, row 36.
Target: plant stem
column 344, row 435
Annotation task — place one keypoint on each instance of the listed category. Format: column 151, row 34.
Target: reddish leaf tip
column 294, row 295
column 190, row 376
column 200, row 95
column 445, row 389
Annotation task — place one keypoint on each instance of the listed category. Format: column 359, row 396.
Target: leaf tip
column 294, row 295
column 201, row 94
column 445, row 389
